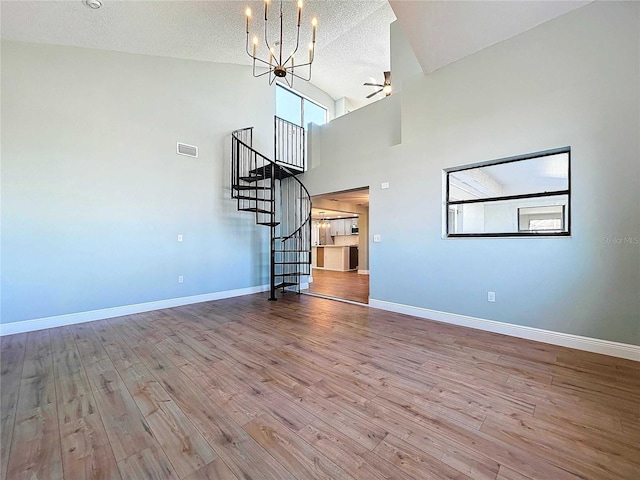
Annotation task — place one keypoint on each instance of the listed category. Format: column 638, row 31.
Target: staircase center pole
column 272, row 280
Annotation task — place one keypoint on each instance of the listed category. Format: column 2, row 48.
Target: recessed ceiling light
column 92, row 4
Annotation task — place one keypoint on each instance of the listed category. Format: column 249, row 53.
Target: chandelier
column 281, row 64
column 323, row 222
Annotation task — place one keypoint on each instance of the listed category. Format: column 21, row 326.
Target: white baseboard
column 90, row 316
column 595, row 345
column 363, row 272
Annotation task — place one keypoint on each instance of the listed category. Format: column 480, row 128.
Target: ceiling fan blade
column 387, row 78
column 373, row 84
column 374, row 93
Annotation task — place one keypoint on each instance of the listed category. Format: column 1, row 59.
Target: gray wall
column 93, row 193
column 572, row 81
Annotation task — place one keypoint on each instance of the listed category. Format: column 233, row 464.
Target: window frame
column 302, row 100
column 517, row 158
column 563, row 216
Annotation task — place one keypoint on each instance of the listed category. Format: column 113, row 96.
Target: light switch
column 377, row 238
column 179, row 237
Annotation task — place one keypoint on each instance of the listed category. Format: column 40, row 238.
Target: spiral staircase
column 270, row 190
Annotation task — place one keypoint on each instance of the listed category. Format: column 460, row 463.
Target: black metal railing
column 280, row 201
column 289, row 144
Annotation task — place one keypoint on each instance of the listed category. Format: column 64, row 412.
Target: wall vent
column 188, row 150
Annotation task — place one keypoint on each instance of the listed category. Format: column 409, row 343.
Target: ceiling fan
column 385, row 87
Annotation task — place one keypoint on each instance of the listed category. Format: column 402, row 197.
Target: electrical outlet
column 384, row 185
column 179, row 237
column 180, row 279
column 491, row 296
column 377, row 238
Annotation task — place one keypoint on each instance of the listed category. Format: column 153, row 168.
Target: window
column 541, row 219
column 528, row 195
column 297, row 109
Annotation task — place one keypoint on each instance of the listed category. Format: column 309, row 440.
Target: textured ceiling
column 353, row 42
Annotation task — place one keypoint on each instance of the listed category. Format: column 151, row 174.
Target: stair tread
column 252, row 178
column 254, row 209
column 249, row 187
column 291, row 274
column 281, row 173
column 268, row 224
column 286, row 284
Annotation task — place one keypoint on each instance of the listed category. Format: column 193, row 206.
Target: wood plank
column 236, row 448
column 148, row 463
column 12, row 355
column 36, row 438
column 120, row 354
column 36, row 445
column 341, row 450
column 505, row 473
column 86, row 452
column 302, row 460
column 414, row 462
column 73, row 390
column 127, row 429
column 599, row 460
column 37, row 384
column 216, row 470
column 183, row 445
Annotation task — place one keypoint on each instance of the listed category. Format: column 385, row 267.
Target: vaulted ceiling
column 353, row 42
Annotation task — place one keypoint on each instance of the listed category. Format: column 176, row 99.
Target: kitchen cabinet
column 338, row 227
column 335, row 257
column 342, row 226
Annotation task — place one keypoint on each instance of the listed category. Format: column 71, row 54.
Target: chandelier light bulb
column 248, row 14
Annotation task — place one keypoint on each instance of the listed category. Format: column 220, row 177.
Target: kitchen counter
column 341, row 258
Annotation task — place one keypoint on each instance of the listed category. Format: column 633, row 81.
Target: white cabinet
column 337, row 227
column 342, row 226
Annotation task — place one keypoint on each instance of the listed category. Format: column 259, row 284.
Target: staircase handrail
column 275, row 165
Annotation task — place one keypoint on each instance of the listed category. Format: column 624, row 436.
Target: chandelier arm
column 260, row 60
column 266, row 37
column 303, row 64
column 301, row 77
column 289, row 83
column 261, row 74
column 247, row 46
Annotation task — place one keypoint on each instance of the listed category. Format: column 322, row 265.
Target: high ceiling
column 441, row 32
column 353, row 41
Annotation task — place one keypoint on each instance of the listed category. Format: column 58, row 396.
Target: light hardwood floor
column 309, row 388
column 347, row 285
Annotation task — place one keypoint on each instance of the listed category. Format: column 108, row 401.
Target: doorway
column 340, row 245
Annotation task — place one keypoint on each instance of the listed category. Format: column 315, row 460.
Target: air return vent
column 188, row 150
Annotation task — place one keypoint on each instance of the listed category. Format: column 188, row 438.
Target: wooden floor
column 347, row 285
column 309, row 388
